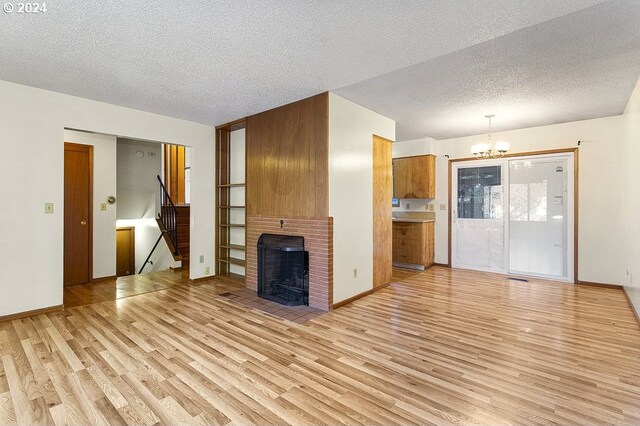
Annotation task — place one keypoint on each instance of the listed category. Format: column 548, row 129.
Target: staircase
column 174, row 224
column 183, row 218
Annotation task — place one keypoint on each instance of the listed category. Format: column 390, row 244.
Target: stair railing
column 168, row 216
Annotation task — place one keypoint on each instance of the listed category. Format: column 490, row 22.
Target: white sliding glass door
column 478, row 238
column 514, row 216
column 540, row 211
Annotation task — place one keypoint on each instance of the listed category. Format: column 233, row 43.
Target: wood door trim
column 522, row 154
column 78, row 147
column 382, row 212
column 233, row 125
column 576, row 199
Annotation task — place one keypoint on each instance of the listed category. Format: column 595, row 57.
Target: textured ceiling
column 213, row 62
column 579, row 66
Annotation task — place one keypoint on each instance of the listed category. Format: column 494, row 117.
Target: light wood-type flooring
column 121, row 287
column 442, row 347
column 133, row 285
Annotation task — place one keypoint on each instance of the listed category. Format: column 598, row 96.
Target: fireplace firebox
column 283, row 269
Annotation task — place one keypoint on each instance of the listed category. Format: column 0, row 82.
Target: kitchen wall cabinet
column 414, row 177
column 413, row 243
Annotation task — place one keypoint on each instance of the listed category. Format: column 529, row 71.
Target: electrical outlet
column 202, row 258
column 443, row 206
column 206, row 270
column 408, row 206
column 103, row 207
column 48, row 208
column 355, row 272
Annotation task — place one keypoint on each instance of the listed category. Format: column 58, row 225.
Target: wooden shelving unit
column 230, row 203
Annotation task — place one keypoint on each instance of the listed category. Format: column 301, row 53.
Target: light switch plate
column 430, row 207
column 48, row 208
column 443, row 206
column 103, row 207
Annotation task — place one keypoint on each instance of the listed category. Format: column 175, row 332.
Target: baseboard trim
column 32, row 313
column 103, row 279
column 592, row 284
column 358, row 296
column 444, row 265
column 633, row 308
column 201, row 279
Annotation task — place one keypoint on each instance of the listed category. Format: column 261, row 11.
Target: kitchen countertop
column 413, row 220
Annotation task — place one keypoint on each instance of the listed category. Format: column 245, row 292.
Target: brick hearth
column 318, row 241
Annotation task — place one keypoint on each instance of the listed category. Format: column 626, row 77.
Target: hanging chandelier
column 489, row 149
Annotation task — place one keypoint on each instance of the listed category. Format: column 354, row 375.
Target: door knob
column 83, row 223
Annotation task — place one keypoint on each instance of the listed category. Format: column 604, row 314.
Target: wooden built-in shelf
column 233, row 246
column 231, row 185
column 233, row 261
column 230, row 205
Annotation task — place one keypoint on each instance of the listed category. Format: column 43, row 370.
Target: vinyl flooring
column 445, row 347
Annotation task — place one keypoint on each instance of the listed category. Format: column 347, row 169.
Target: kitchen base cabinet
column 413, row 243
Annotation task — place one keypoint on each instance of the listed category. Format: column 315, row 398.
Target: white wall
column 413, row 147
column 32, row 123
column 351, row 130
column 104, row 184
column 602, row 173
column 137, row 185
column 632, row 129
column 138, row 193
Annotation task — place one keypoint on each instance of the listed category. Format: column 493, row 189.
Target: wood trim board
column 633, row 309
column 103, row 279
column 382, row 211
column 603, row 285
column 31, row 313
column 358, row 296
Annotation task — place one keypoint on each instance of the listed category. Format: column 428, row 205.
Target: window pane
column 480, row 193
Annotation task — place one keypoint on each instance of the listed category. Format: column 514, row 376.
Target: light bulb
column 502, row 146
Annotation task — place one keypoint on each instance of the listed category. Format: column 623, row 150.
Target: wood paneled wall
column 288, row 161
column 174, row 162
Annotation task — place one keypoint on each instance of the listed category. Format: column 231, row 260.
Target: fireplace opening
column 283, row 269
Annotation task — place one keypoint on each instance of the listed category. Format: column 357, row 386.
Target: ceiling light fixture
column 488, row 149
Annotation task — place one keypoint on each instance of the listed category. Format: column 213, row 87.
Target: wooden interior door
column 125, row 251
column 78, row 188
column 382, row 224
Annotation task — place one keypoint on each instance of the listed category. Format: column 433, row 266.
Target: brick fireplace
column 318, row 241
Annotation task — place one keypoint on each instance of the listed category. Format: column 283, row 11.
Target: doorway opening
column 515, row 215
column 112, row 213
